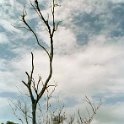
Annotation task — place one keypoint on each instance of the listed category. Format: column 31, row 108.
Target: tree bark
column 34, row 107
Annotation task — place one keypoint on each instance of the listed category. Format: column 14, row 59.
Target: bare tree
column 59, row 116
column 34, row 89
column 91, row 111
column 21, row 111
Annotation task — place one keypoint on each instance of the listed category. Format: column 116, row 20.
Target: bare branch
column 34, row 33
column 91, row 112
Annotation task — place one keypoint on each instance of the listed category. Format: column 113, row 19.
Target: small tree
column 91, row 111
column 34, row 89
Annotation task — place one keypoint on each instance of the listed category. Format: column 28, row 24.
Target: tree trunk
column 34, row 107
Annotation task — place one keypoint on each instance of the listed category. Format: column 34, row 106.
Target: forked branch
column 33, row 87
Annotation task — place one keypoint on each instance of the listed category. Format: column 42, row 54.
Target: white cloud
column 9, row 26
column 91, row 68
column 117, row 1
column 3, row 38
column 64, row 40
column 111, row 114
column 10, row 84
column 3, row 102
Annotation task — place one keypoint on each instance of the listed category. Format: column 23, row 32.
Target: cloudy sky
column 88, row 59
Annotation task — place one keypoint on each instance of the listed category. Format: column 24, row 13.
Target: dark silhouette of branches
column 34, row 89
column 91, row 111
column 37, row 88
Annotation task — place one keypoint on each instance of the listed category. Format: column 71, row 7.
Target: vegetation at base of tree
column 9, row 122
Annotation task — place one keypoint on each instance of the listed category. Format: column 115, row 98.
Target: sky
column 88, row 54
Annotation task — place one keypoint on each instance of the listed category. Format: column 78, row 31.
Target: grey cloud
column 107, row 20
column 8, row 94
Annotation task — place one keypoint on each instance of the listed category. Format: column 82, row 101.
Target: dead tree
column 59, row 116
column 91, row 111
column 21, row 111
column 34, row 89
